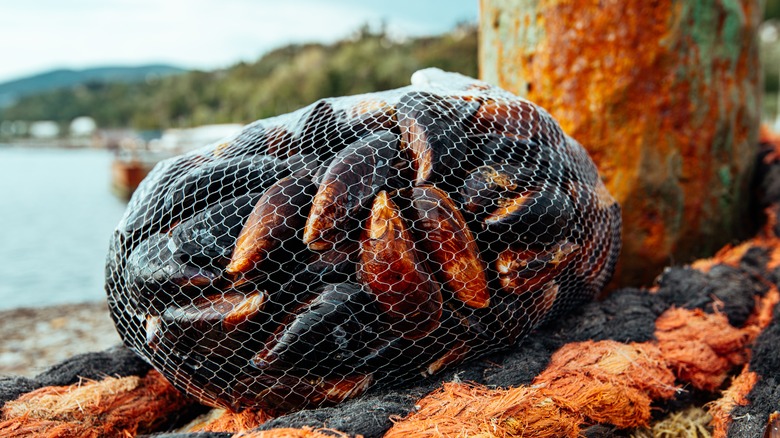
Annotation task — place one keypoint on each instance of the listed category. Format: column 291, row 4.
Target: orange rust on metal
column 664, row 95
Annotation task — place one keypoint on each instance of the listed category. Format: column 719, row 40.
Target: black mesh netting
column 357, row 241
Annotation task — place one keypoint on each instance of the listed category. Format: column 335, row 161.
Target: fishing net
column 361, row 240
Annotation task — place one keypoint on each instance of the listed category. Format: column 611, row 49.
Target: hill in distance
column 62, row 78
column 278, row 82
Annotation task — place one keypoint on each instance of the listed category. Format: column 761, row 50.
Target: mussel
column 433, row 131
column 351, row 180
column 359, row 240
column 447, row 242
column 390, row 268
column 276, row 221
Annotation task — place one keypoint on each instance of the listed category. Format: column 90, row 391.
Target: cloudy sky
column 38, row 35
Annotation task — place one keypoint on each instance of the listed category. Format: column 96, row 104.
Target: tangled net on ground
column 359, row 240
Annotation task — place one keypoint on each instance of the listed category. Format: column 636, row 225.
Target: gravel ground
column 32, row 339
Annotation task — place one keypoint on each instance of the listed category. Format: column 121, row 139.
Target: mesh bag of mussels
column 359, row 240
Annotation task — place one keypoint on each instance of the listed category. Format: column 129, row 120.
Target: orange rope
column 108, row 408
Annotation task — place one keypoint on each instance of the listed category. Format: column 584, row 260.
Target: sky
column 40, row 35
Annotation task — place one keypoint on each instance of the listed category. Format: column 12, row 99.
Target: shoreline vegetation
column 280, row 81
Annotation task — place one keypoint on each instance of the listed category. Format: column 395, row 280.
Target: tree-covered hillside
column 282, row 80
column 55, row 79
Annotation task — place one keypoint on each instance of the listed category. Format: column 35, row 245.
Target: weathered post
column 665, row 95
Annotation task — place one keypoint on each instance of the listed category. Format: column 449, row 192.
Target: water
column 56, row 216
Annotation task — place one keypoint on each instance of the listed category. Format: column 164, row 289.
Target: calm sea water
column 56, row 216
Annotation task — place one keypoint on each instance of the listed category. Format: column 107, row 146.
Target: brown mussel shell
column 347, row 186
column 444, row 237
column 390, row 268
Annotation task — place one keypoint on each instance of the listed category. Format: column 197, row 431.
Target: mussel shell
column 213, row 335
column 300, row 279
column 335, row 265
column 329, row 334
column 502, row 323
column 602, row 249
column 389, row 354
column 351, row 180
column 487, row 187
column 321, row 132
column 145, row 212
column 207, row 239
column 502, row 116
column 539, row 163
column 166, row 268
column 454, row 355
column 371, row 115
column 276, row 221
column 158, row 277
column 207, row 368
column 446, row 242
column 258, row 138
column 391, row 270
column 540, row 218
column 279, row 393
column 216, row 181
column 523, row 269
column 221, row 313
column 433, row 131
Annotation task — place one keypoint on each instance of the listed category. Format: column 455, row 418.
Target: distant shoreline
column 58, row 143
